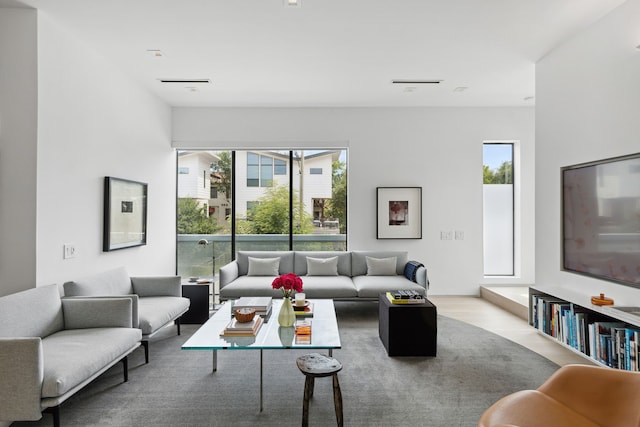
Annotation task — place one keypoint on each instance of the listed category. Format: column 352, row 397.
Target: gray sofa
column 353, row 275
column 157, row 301
column 51, row 347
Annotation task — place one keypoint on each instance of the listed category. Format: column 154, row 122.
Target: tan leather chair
column 575, row 395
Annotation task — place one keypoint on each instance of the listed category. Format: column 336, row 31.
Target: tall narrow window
column 498, row 209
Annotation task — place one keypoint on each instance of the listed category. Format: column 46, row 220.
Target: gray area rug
column 473, row 369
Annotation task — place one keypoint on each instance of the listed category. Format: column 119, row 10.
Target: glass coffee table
column 271, row 336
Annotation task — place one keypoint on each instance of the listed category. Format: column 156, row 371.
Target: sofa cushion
column 155, row 312
column 41, row 306
column 263, row 266
column 322, row 266
column 344, row 261
column 328, row 287
column 250, row 286
column 110, row 282
column 373, row 286
column 359, row 263
column 286, row 260
column 381, row 266
column 72, row 356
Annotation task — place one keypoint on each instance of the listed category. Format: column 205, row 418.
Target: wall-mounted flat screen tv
column 601, row 219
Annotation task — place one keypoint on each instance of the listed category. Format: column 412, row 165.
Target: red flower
column 288, row 283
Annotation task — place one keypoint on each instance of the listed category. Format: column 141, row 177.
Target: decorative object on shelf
column 125, row 214
column 399, row 213
column 244, row 315
column 601, row 300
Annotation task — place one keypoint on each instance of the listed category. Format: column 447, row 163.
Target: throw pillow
column 263, row 266
column 381, row 266
column 322, row 266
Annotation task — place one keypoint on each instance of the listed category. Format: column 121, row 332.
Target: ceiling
column 328, row 52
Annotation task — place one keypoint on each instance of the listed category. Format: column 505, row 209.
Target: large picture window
column 265, row 200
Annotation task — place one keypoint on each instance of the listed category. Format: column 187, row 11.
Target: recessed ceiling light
column 191, row 88
column 156, row 53
column 460, row 89
column 292, row 3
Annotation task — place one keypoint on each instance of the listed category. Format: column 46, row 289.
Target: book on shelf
column 306, row 311
column 393, row 300
column 243, row 329
column 262, row 305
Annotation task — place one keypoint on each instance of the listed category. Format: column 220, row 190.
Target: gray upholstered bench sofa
column 157, row 301
column 51, row 347
column 353, row 275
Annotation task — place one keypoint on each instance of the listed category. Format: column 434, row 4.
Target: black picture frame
column 399, row 213
column 125, row 214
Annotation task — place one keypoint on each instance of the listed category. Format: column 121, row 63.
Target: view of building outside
column 265, row 207
column 498, row 209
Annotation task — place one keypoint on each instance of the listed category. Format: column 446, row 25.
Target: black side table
column 198, row 294
column 407, row 329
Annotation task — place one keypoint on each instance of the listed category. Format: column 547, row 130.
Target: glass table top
column 324, row 331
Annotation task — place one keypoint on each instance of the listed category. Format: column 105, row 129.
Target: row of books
column 610, row 342
column 405, row 297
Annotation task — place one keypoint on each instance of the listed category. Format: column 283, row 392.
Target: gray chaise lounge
column 157, row 301
column 353, row 275
column 50, row 348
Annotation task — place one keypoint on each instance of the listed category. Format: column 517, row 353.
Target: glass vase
column 286, row 317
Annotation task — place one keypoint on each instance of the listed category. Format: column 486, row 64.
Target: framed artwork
column 125, row 214
column 399, row 213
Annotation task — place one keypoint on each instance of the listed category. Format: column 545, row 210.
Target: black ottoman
column 407, row 329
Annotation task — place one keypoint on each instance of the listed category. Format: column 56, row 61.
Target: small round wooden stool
column 314, row 366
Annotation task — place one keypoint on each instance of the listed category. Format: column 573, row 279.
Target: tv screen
column 601, row 219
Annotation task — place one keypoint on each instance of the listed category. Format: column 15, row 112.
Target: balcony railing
column 204, row 260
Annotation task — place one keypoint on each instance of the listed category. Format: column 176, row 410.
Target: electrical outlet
column 445, row 235
column 459, row 235
column 69, row 251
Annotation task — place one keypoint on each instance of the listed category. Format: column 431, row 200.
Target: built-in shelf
column 569, row 318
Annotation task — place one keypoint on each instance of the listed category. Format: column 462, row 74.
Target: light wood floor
column 482, row 313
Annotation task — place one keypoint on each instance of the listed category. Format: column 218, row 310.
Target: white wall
column 439, row 149
column 91, row 122
column 587, row 108
column 94, row 122
column 18, row 139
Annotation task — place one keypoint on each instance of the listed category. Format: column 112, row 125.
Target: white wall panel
column 439, row 149
column 587, row 108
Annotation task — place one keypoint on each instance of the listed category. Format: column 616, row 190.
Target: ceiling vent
column 185, row 81
column 416, row 82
